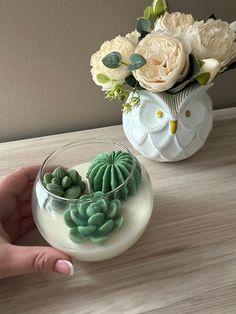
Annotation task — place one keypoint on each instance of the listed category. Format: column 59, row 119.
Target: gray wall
column 45, row 48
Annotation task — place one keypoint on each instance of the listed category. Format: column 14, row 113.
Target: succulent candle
column 110, row 215
column 94, row 218
column 110, row 170
column 65, row 183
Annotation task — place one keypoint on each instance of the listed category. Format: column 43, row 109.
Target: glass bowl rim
column 81, row 142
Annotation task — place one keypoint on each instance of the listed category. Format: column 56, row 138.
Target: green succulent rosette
column 110, row 170
column 64, row 183
column 93, row 218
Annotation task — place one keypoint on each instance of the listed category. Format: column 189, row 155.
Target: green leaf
column 143, row 25
column 66, row 182
column 68, row 220
column 75, row 236
column 201, row 63
column 203, row 78
column 86, row 230
column 143, row 34
column 102, row 78
column 131, row 81
column 100, row 240
column 47, row 178
column 107, row 227
column 137, row 61
column 159, row 7
column 112, row 60
column 96, row 219
column 147, row 12
column 194, row 69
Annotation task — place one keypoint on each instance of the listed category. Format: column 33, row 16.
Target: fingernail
column 64, row 267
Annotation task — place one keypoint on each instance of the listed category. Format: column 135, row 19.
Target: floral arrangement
column 166, row 52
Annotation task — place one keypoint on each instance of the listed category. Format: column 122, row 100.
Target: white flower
column 233, row 26
column 213, row 39
column 117, row 76
column 175, row 24
column 133, row 37
column 166, row 62
column 211, row 66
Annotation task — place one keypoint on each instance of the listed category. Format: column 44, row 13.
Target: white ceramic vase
column 170, row 127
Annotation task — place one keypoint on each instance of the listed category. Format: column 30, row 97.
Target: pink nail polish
column 64, row 267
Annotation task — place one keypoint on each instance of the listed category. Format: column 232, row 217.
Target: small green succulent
column 64, row 183
column 94, row 218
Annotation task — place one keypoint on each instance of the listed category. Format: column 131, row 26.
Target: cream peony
column 117, row 76
column 213, row 39
column 166, row 62
column 133, row 37
column 233, row 26
column 175, row 24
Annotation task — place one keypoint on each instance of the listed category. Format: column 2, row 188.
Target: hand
column 16, row 220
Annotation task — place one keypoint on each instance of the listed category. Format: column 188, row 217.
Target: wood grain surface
column 184, row 263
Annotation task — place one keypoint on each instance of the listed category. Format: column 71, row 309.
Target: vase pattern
column 170, row 127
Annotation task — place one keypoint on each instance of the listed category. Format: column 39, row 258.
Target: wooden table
column 184, row 263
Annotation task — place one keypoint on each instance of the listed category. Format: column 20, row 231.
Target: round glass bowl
column 98, row 225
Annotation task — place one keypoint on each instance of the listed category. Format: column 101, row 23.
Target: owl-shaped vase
column 170, row 127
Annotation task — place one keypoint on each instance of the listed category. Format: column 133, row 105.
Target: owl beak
column 173, row 126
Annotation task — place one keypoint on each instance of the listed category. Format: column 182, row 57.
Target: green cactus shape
column 55, row 189
column 59, row 172
column 94, row 218
column 110, row 170
column 56, row 180
column 74, row 176
column 64, row 183
column 73, row 192
column 47, row 178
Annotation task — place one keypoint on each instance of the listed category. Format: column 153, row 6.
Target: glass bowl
column 83, row 237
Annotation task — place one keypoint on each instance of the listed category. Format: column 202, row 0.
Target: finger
column 17, row 260
column 26, row 225
column 30, row 172
column 15, row 228
column 4, row 238
column 26, row 195
column 7, row 205
column 16, row 183
column 25, row 210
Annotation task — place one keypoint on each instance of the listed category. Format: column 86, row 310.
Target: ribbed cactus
column 110, row 170
column 93, row 218
column 64, row 183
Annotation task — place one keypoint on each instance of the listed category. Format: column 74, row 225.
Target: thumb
column 19, row 260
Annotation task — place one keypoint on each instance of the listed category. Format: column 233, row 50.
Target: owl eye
column 187, row 114
column 159, row 114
